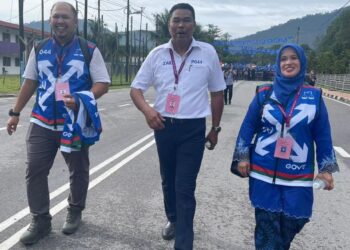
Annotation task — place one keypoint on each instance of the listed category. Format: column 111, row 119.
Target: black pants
column 180, row 148
column 228, row 94
column 42, row 146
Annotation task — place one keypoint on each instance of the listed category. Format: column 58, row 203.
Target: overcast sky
column 236, row 17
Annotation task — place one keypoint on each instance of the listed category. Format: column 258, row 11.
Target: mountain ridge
column 311, row 29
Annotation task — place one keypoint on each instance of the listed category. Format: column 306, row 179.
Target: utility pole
column 127, row 42
column 76, row 7
column 139, row 59
column 298, row 34
column 131, row 43
column 85, row 19
column 157, row 29
column 98, row 22
column 42, row 19
column 21, row 40
column 146, row 44
column 102, row 35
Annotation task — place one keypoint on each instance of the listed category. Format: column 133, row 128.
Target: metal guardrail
column 339, row 82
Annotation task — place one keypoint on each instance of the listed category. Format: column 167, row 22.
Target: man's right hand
column 154, row 119
column 12, row 124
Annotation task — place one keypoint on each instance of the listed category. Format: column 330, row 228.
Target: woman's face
column 289, row 63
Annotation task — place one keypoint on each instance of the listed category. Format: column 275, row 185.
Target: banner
column 252, row 47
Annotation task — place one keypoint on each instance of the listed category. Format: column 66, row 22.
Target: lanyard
column 59, row 59
column 177, row 73
column 289, row 116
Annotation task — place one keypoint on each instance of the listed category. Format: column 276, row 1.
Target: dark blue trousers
column 180, row 148
column 275, row 230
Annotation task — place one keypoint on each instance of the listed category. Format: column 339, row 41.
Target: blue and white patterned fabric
column 84, row 127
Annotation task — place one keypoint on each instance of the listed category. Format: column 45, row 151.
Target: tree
column 334, row 48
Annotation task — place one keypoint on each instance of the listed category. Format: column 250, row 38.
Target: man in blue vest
column 57, row 72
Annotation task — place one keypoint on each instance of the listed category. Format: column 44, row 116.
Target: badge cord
column 59, row 61
column 177, row 73
column 285, row 122
column 288, row 118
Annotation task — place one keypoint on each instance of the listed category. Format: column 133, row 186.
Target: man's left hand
column 212, row 137
column 69, row 101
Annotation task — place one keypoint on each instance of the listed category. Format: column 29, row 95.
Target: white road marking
column 342, row 152
column 124, row 105
column 336, row 101
column 14, row 239
column 24, row 212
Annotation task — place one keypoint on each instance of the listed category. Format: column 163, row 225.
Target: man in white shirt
column 182, row 72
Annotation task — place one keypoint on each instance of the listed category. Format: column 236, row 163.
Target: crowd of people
column 182, row 71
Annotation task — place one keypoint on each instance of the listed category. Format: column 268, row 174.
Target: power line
column 35, row 7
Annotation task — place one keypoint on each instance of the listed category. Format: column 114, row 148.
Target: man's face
column 63, row 22
column 181, row 25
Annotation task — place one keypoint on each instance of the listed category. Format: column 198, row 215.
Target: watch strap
column 12, row 113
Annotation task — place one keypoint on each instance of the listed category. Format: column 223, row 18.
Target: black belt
column 181, row 121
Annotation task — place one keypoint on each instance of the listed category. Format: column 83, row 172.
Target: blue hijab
column 283, row 87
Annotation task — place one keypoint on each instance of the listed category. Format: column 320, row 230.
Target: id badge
column 283, row 148
column 61, row 89
column 172, row 104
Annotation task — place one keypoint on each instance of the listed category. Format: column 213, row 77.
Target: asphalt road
column 125, row 207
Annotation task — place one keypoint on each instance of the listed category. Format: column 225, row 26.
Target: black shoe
column 168, row 232
column 38, row 228
column 72, row 221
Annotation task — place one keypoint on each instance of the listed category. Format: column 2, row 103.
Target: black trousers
column 228, row 94
column 180, row 148
column 42, row 146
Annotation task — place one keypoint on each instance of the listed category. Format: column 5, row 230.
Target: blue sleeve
column 249, row 127
column 321, row 132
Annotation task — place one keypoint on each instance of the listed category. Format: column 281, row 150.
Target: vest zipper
column 277, row 161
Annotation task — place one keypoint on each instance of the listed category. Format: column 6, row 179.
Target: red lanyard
column 289, row 116
column 177, row 73
column 61, row 58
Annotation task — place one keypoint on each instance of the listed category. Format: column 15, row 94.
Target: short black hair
column 185, row 6
column 74, row 11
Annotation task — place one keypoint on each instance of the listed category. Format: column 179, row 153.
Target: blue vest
column 309, row 124
column 68, row 62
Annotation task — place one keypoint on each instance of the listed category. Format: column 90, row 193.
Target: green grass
column 10, row 84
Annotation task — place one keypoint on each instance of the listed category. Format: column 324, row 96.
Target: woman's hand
column 328, row 178
column 244, row 168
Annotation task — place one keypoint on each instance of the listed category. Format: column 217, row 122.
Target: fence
column 339, row 82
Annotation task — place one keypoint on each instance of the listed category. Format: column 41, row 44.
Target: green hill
column 312, row 29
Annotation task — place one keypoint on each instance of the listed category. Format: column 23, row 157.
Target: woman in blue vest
column 287, row 119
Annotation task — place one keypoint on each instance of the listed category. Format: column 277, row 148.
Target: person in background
column 229, row 78
column 182, row 72
column 287, row 118
column 311, row 78
column 64, row 84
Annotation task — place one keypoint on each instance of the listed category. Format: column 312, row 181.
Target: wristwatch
column 216, row 129
column 12, row 113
